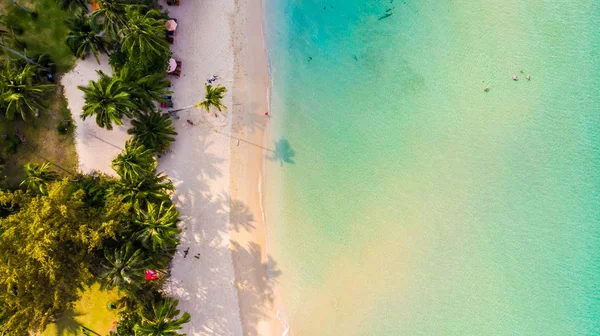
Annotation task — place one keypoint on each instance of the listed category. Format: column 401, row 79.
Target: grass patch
column 91, row 312
column 45, row 34
column 44, row 142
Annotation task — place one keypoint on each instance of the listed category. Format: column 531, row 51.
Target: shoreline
column 253, row 276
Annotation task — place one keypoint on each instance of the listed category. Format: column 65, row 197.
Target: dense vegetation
column 60, row 231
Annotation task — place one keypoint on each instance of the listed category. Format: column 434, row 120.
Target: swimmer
column 515, row 77
column 486, row 89
column 528, row 77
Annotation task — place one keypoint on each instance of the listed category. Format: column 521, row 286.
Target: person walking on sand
column 267, row 113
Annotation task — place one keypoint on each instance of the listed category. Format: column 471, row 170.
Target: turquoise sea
column 403, row 199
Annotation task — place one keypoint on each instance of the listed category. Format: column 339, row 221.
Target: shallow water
column 403, row 199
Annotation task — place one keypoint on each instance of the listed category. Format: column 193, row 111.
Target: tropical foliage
column 45, row 250
column 124, row 267
column 154, row 130
column 151, row 188
column 145, row 89
column 38, row 176
column 111, row 16
column 213, row 97
column 158, row 226
column 20, row 91
column 85, row 38
column 108, row 100
column 162, row 319
column 134, row 161
column 143, row 37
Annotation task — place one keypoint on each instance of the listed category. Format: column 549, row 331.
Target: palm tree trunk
column 27, row 59
column 23, row 8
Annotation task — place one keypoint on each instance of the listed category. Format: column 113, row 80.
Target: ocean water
column 403, row 199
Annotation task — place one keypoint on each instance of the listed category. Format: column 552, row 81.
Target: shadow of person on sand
column 283, row 152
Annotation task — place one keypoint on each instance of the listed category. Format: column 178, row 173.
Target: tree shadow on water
column 283, row 152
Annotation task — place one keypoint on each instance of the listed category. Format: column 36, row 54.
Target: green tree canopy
column 213, row 97
column 124, row 267
column 134, row 161
column 38, row 176
column 162, row 319
column 152, row 187
column 143, row 37
column 45, row 246
column 154, row 130
column 111, row 16
column 107, row 99
column 158, row 226
column 84, row 38
column 19, row 91
column 145, row 89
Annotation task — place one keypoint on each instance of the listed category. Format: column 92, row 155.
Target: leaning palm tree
column 158, row 226
column 19, row 92
column 154, row 130
column 145, row 90
column 38, row 176
column 124, row 267
column 111, row 16
column 150, row 188
column 162, row 319
column 144, row 36
column 108, row 100
column 134, row 161
column 84, row 38
column 213, row 97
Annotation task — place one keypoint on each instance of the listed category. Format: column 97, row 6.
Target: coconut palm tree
column 108, row 99
column 84, row 37
column 37, row 177
column 124, row 267
column 154, row 130
column 145, row 90
column 213, row 97
column 162, row 319
column 134, row 161
column 150, row 188
column 19, row 92
column 158, row 226
column 111, row 16
column 143, row 38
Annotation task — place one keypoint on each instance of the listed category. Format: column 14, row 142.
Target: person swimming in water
column 528, row 77
column 515, row 77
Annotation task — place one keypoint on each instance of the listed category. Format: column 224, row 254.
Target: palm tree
column 73, row 4
column 158, row 226
column 162, row 319
column 108, row 100
column 154, row 130
column 134, row 161
column 150, row 188
column 19, row 92
column 213, row 97
column 124, row 267
column 144, row 36
column 37, row 177
column 145, row 90
column 84, row 38
column 111, row 16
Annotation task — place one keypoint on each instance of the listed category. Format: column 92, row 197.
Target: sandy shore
column 226, row 280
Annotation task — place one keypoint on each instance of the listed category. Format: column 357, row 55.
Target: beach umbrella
column 172, row 65
column 171, row 25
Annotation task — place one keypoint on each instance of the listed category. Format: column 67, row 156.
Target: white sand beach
column 226, row 280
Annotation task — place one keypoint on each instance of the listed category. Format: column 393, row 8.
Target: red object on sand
column 151, row 275
column 267, row 113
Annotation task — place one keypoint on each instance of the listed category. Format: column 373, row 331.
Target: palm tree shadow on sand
column 283, row 152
